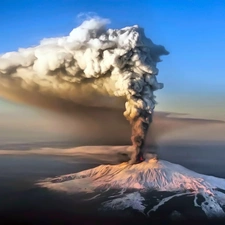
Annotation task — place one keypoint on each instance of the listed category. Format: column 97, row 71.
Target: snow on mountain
column 152, row 174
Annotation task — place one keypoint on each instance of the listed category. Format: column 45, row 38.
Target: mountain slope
column 152, row 174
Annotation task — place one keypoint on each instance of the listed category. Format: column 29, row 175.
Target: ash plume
column 92, row 66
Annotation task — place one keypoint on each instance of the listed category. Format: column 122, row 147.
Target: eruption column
column 92, row 66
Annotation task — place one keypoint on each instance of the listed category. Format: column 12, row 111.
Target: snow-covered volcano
column 150, row 175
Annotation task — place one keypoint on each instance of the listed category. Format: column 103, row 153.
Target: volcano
column 126, row 186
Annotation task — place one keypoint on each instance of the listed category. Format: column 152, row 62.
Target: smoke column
column 92, row 66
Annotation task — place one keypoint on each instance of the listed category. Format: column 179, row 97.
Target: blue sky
column 192, row 30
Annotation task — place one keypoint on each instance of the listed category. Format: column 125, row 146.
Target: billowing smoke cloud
column 92, row 66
